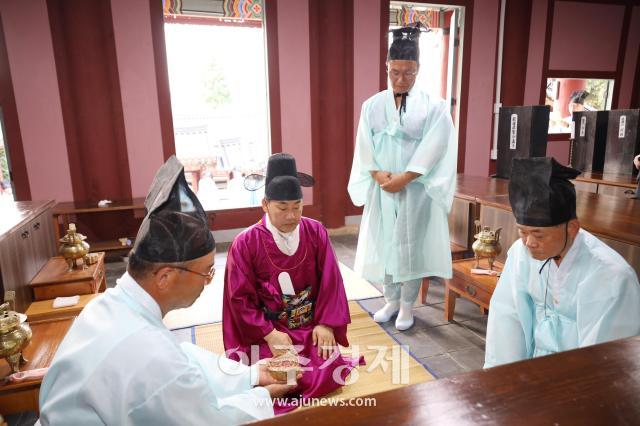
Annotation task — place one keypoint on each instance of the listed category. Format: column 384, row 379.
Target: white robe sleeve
column 232, row 383
column 510, row 325
column 434, row 143
column 435, row 159
column 360, row 180
column 190, row 400
column 608, row 308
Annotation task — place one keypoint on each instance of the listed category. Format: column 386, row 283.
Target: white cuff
column 254, row 374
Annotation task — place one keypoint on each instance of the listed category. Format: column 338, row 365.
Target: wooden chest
column 53, row 280
column 477, row 288
column 623, row 141
column 590, row 140
column 522, row 133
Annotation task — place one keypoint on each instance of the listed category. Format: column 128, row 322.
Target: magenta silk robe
column 251, row 283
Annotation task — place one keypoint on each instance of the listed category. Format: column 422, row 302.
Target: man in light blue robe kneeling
column 118, row 363
column 561, row 287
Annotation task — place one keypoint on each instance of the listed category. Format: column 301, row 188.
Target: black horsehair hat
column 405, row 45
column 282, row 182
column 175, row 228
column 540, row 192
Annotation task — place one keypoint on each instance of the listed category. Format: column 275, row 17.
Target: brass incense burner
column 487, row 244
column 73, row 248
column 15, row 334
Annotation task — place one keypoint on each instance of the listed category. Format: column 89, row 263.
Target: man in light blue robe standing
column 404, row 173
column 118, row 363
column 561, row 287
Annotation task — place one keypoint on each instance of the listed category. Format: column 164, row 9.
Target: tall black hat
column 540, row 192
column 406, row 43
column 283, row 182
column 578, row 96
column 175, row 228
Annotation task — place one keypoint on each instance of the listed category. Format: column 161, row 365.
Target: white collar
column 127, row 284
column 558, row 274
column 565, row 265
column 287, row 242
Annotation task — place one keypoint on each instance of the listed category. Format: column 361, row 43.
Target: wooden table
column 477, row 288
column 54, row 279
column 597, row 385
column 609, row 179
column 66, row 209
column 466, row 209
column 613, row 219
column 43, row 310
column 607, row 184
column 473, row 187
column 19, row 397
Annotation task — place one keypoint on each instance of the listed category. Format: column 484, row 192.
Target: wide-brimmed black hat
column 282, row 182
column 540, row 192
column 406, row 43
column 175, row 228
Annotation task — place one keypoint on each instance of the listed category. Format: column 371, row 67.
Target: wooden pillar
column 85, row 55
column 162, row 78
column 331, row 46
column 517, row 21
column 444, row 57
column 515, row 47
column 13, row 137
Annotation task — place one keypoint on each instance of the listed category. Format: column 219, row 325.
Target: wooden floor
column 372, row 341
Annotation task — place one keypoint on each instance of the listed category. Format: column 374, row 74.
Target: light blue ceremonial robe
column 592, row 297
column 119, row 365
column 404, row 235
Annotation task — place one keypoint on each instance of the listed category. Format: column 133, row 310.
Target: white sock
column 387, row 311
column 405, row 316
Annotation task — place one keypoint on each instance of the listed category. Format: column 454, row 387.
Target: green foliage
column 598, row 92
column 4, row 164
column 216, row 91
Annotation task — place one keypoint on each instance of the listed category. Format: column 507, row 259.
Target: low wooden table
column 47, row 335
column 54, row 280
column 43, row 310
column 597, row 385
column 477, row 288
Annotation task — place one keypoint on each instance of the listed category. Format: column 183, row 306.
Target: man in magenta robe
column 283, row 287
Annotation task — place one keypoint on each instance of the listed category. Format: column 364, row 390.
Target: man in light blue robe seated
column 404, row 173
column 118, row 363
column 561, row 287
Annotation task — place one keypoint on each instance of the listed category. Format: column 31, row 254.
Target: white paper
column 623, row 125
column 583, row 126
column 513, row 134
column 286, row 285
column 62, row 302
column 478, row 271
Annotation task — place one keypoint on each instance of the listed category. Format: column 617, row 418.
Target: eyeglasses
column 407, row 75
column 208, row 276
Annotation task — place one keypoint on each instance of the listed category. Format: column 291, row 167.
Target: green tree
column 4, row 164
column 216, row 92
column 598, row 92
